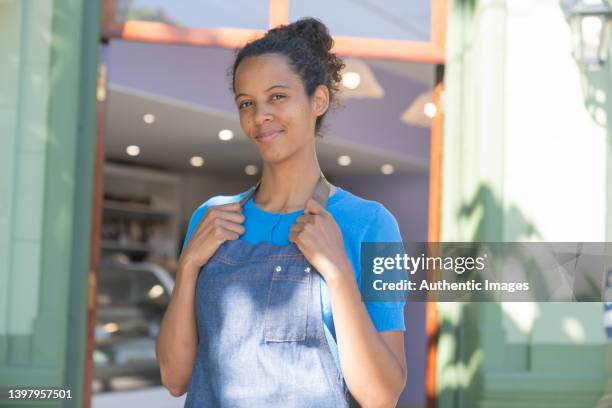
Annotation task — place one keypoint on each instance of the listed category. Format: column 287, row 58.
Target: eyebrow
column 272, row 87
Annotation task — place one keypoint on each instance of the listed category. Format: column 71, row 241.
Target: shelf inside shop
column 134, row 210
column 132, row 247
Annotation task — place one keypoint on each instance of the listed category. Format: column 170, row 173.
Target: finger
column 230, row 226
column 230, row 207
column 225, row 211
column 305, row 240
column 296, row 228
column 230, row 235
column 313, row 207
column 295, row 236
column 231, row 216
column 303, row 219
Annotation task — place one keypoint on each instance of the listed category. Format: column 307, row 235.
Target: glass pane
column 197, row 13
column 408, row 20
column 114, row 288
column 150, row 290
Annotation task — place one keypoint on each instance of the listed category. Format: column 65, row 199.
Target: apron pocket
column 286, row 312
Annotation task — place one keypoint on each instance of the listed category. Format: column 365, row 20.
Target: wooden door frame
column 434, row 234
column 96, row 223
column 432, row 52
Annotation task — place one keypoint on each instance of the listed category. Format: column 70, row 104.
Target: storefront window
column 251, row 14
column 386, row 20
column 408, row 30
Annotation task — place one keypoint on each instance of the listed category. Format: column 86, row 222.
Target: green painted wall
column 48, row 54
column 526, row 157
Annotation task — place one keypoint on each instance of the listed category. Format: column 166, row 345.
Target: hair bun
column 314, row 32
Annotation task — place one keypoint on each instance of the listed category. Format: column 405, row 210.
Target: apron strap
column 320, row 195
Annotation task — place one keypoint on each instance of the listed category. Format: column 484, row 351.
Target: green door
column 48, row 65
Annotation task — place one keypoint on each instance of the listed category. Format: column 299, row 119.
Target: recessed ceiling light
column 344, row 160
column 197, row 161
column 155, row 291
column 387, row 169
column 351, row 80
column 251, row 170
column 132, row 150
column 111, row 327
column 226, row 134
column 430, row 110
column 148, row 118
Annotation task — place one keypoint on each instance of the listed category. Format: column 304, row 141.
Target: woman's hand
column 220, row 223
column 318, row 236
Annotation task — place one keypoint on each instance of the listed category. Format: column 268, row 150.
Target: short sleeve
column 385, row 315
column 194, row 222
column 200, row 212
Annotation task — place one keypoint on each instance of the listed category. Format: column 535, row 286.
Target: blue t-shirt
column 359, row 220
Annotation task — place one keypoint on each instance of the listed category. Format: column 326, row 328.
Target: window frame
column 432, row 52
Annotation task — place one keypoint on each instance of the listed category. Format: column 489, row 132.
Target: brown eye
column 280, row 96
column 244, row 104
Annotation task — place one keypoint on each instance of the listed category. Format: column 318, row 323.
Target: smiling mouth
column 266, row 137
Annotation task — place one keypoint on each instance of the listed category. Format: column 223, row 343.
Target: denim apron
column 260, row 329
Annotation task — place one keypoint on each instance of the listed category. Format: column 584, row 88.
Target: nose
column 262, row 115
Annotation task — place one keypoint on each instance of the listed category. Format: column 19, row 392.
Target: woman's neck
column 285, row 187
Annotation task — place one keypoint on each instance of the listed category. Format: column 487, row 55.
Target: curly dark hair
column 307, row 44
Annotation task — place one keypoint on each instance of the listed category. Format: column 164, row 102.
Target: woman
column 266, row 309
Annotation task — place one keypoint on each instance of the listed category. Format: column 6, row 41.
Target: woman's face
column 275, row 112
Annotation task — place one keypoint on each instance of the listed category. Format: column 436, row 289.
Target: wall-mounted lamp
column 589, row 21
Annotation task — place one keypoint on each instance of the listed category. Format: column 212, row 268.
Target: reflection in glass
column 384, row 19
column 197, row 13
column 131, row 300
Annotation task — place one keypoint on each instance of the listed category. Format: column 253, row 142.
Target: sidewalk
column 155, row 397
